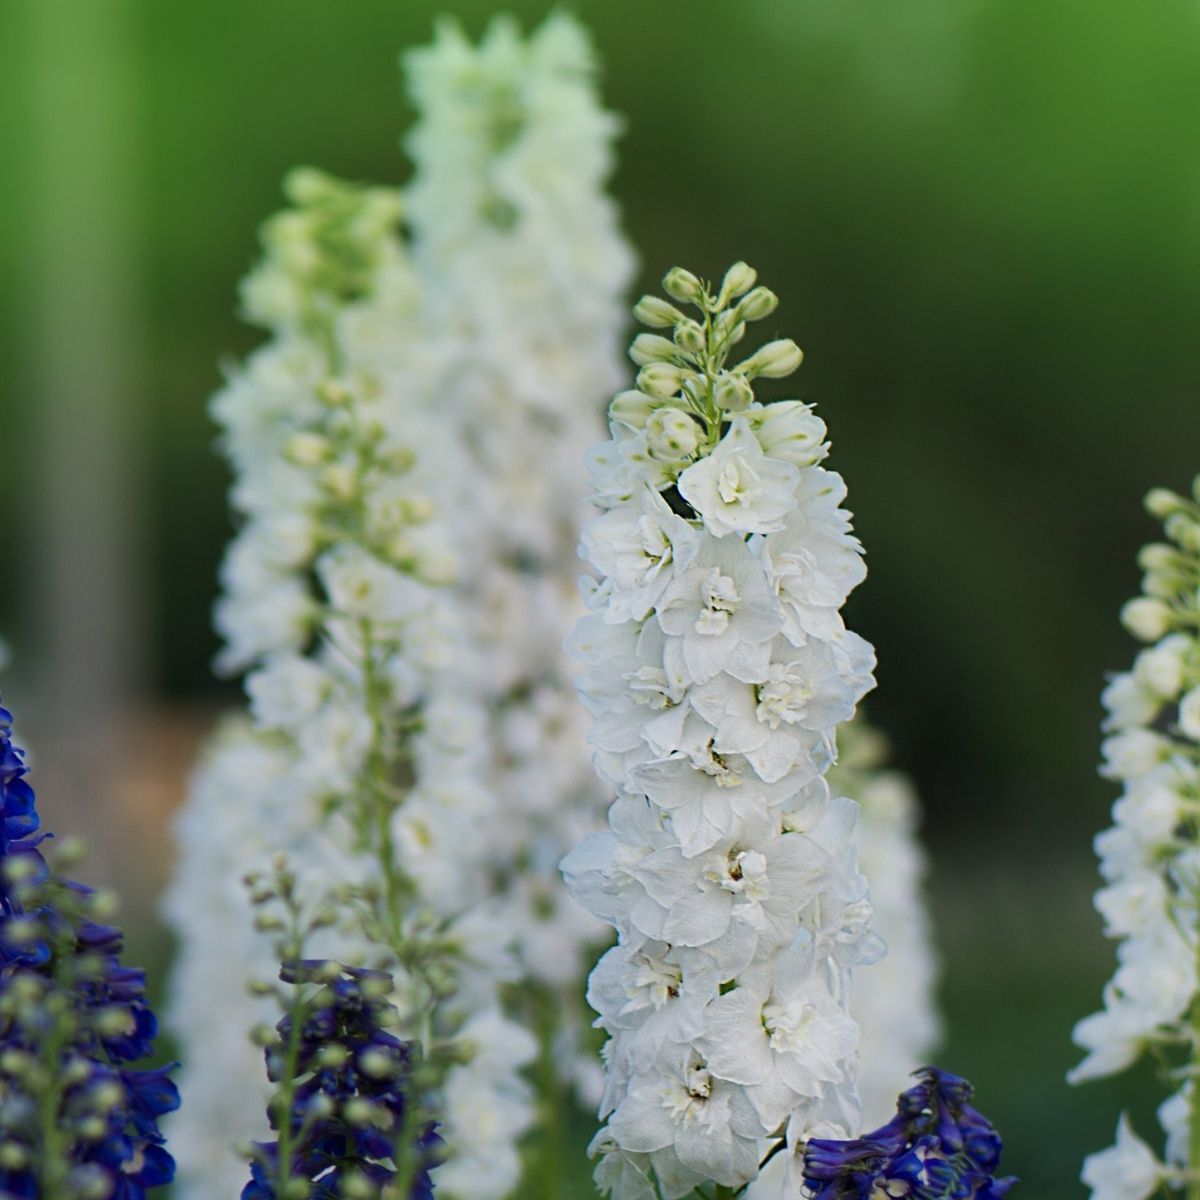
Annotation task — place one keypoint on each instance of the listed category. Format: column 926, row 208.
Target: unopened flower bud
column 660, row 380
column 1157, row 557
column 334, row 1055
column 306, row 449
column 683, row 285
column 112, row 1020
column 657, row 313
column 733, row 393
column 340, row 480
column 689, row 336
column 12, row 1156
column 774, row 360
column 672, row 435
column 738, row 279
column 633, row 408
column 760, row 303
column 354, row 1185
column 1146, row 618
column 334, row 393
column 376, row 1064
column 652, row 347
column 1161, row 502
column 263, row 1035
column 360, row 1112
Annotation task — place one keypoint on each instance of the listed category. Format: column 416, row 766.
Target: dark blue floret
column 100, row 1022
column 347, row 1009
column 936, row 1147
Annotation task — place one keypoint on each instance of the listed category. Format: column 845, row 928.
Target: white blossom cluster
column 366, row 749
column 893, row 1002
column 1150, row 861
column 527, row 273
column 474, row 359
column 719, row 668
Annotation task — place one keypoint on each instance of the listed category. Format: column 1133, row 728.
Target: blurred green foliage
column 983, row 217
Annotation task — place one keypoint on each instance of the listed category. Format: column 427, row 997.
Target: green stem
column 285, row 1097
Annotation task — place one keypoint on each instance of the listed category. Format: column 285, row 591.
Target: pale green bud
column 1146, row 618
column 334, row 1055
column 672, row 435
column 1183, row 529
column 340, row 480
column 1158, row 557
column 360, row 1112
column 262, row 1035
column 20, row 869
column 656, row 313
column 1161, row 502
column 683, row 285
column 334, row 393
column 733, row 393
column 689, row 336
column 107, row 1095
column 760, row 303
column 12, row 1155
column 660, row 380
column 356, row 1186
column 633, row 408
column 91, row 1129
column 377, row 1064
column 307, row 185
column 69, row 852
column 652, row 347
column 105, row 905
column 774, row 360
column 738, row 279
column 268, row 923
column 296, row 1189
column 112, row 1020
column 306, row 449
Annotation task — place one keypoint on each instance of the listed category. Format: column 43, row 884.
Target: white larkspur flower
column 1127, row 1170
column 1150, row 859
column 718, row 671
column 739, row 488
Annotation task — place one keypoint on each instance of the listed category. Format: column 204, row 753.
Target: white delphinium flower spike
column 719, row 670
column 527, row 271
column 1150, row 861
column 893, row 1002
column 364, row 756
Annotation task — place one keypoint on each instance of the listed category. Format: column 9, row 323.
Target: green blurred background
column 983, row 217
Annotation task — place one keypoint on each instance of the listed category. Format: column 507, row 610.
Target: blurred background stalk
column 85, row 624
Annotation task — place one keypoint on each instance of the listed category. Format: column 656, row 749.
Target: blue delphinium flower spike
column 936, row 1147
column 351, row 1123
column 76, row 1121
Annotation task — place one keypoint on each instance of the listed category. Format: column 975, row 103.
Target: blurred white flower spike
column 894, row 1002
column 719, row 669
column 404, row 451
column 527, row 273
column 1150, row 861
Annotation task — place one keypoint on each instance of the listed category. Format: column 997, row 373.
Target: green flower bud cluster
column 323, row 252
column 687, row 388
column 1170, row 599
